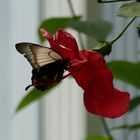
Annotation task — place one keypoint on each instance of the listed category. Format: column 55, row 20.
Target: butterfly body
column 48, row 66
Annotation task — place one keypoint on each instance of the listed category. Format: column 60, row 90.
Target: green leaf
column 128, row 127
column 134, row 126
column 104, row 48
column 129, row 10
column 135, row 102
column 96, row 29
column 97, row 137
column 109, row 1
column 53, row 24
column 126, row 71
column 32, row 96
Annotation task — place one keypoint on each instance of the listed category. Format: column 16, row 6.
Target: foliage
column 32, row 96
column 96, row 29
column 103, row 48
column 127, row 127
column 129, row 10
column 53, row 24
column 135, row 102
column 97, row 137
column 126, row 71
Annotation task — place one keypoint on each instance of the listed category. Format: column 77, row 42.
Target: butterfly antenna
column 28, row 87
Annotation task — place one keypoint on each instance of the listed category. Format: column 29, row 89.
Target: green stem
column 100, row 1
column 107, row 131
column 74, row 15
column 71, row 8
column 118, row 36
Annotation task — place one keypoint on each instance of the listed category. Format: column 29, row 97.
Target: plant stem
column 118, row 36
column 71, row 8
column 100, row 1
column 74, row 15
column 107, row 131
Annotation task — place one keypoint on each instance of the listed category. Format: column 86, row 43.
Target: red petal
column 95, row 78
column 92, row 70
column 80, row 70
column 47, row 35
column 50, row 38
column 68, row 42
column 63, row 43
column 66, row 39
column 112, row 106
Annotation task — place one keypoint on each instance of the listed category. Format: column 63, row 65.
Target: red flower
column 92, row 74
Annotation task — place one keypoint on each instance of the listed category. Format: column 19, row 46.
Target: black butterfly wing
column 48, row 65
column 37, row 55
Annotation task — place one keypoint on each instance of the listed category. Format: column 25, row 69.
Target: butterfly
column 48, row 65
